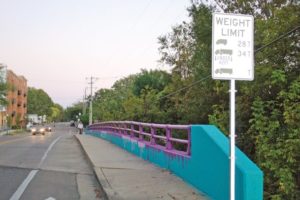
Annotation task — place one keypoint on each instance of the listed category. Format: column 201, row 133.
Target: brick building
column 16, row 109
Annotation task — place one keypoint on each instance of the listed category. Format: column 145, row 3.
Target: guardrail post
column 168, row 135
column 140, row 132
column 119, row 128
column 112, row 127
column 123, row 126
column 188, row 151
column 131, row 130
column 152, row 141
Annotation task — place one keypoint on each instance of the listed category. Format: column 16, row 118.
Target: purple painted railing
column 159, row 135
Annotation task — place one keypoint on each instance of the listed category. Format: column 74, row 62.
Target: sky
column 57, row 44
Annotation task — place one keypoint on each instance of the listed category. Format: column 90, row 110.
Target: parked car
column 72, row 123
column 38, row 130
column 29, row 126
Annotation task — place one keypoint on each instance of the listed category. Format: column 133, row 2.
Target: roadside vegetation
column 41, row 104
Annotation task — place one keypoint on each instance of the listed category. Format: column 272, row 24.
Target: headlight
column 42, row 130
column 33, row 130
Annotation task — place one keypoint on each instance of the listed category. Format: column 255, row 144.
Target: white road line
column 23, row 186
column 50, row 198
column 46, row 153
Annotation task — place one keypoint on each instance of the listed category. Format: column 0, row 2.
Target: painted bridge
column 198, row 154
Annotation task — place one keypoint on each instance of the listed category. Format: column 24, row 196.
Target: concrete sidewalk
column 125, row 176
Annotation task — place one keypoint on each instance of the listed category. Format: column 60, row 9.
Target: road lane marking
column 23, row 186
column 46, row 153
column 50, row 198
column 17, row 195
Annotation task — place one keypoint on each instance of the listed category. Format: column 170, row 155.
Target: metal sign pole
column 232, row 139
column 232, row 59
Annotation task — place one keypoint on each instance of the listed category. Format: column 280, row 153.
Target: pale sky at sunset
column 56, row 44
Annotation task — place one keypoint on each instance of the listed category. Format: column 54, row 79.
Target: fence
column 175, row 138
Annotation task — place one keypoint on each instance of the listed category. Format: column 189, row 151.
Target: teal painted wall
column 207, row 169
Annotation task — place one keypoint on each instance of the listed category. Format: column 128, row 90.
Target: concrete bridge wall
column 206, row 168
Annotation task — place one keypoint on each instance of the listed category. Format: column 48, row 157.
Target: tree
column 154, row 79
column 177, row 48
column 108, row 103
column 71, row 112
column 56, row 113
column 39, row 102
column 3, row 86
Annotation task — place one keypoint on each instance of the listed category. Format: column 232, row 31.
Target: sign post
column 232, row 59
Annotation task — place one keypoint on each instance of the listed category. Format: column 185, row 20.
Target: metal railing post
column 131, row 130
column 168, row 135
column 119, row 128
column 140, row 132
column 189, row 141
column 152, row 141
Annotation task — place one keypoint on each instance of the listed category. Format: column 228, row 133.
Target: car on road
column 48, row 129
column 38, row 130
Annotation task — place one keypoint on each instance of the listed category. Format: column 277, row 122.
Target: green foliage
column 177, row 48
column 39, row 102
column 220, row 118
column 3, row 87
column 71, row 112
column 132, row 98
column 84, row 119
column 155, row 79
column 56, row 113
column 277, row 142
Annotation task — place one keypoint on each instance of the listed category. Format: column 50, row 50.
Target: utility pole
column 92, row 81
column 84, row 102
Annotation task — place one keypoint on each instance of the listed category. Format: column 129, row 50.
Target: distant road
column 45, row 167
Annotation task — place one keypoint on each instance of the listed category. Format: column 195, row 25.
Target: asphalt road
column 49, row 167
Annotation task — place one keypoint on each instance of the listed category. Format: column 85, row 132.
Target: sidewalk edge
column 101, row 180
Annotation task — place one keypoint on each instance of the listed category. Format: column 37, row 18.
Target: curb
column 99, row 180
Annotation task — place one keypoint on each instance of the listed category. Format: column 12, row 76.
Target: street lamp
column 79, row 114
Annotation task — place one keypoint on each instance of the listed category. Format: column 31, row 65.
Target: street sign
column 232, row 47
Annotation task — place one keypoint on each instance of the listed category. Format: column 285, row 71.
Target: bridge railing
column 173, row 138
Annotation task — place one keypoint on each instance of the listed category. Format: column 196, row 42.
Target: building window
column 25, row 94
column 24, row 106
column 19, row 92
column 13, row 101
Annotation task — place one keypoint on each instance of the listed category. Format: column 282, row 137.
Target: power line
column 155, row 22
column 130, row 30
column 184, row 88
column 141, row 15
column 146, row 48
column 255, row 51
column 277, row 39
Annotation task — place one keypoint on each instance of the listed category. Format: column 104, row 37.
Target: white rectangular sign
column 232, row 47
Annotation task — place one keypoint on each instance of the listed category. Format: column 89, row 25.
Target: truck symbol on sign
column 223, row 51
column 221, row 41
column 223, row 71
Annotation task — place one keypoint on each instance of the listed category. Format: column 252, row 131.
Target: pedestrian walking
column 80, row 127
